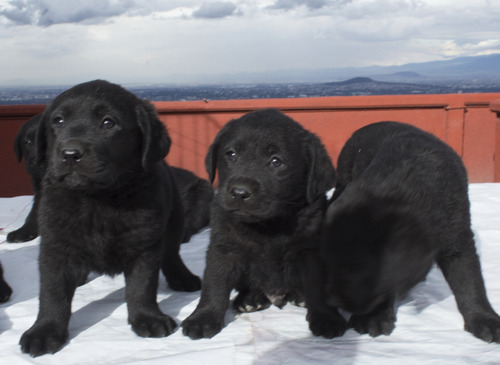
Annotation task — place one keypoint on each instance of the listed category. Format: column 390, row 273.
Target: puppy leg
column 249, row 300
column 323, row 320
column 176, row 273
column 462, row 271
column 141, row 286
column 381, row 321
column 208, row 318
column 58, row 281
column 5, row 289
column 29, row 230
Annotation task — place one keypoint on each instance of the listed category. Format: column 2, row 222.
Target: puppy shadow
column 95, row 311
column 434, row 289
column 5, row 323
column 176, row 301
column 21, row 273
column 314, row 350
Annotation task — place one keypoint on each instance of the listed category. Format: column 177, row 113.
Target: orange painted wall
column 464, row 121
column 467, row 122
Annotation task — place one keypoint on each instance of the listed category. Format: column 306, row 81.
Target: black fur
column 401, row 204
column 25, row 147
column 196, row 195
column 266, row 215
column 5, row 289
column 109, row 204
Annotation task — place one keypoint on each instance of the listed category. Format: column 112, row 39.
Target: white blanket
column 429, row 328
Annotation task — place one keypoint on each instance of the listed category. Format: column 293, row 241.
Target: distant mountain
column 479, row 67
column 462, row 67
column 368, row 86
column 460, row 75
column 353, row 81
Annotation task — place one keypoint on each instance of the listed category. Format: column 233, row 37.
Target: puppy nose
column 71, row 155
column 240, row 193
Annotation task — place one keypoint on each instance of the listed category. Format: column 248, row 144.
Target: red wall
column 467, row 122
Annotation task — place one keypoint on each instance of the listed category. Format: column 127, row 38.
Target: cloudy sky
column 125, row 41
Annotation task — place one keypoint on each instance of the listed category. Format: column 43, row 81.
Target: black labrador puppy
column 267, row 214
column 196, row 193
column 24, row 146
column 108, row 204
column 401, row 204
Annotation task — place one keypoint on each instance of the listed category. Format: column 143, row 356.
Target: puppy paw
column 251, row 302
column 43, row 339
column 159, row 325
column 328, row 326
column 297, row 299
column 485, row 326
column 202, row 325
column 374, row 324
column 21, row 235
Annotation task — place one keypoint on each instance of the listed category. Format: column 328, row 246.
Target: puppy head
column 97, row 134
column 25, row 145
column 268, row 166
column 372, row 254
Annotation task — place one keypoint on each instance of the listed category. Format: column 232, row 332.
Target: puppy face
column 97, row 134
column 265, row 161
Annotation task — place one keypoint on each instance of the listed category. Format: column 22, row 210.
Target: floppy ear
column 41, row 139
column 17, row 145
column 155, row 139
column 321, row 174
column 211, row 158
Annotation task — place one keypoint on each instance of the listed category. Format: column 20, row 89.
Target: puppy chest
column 272, row 274
column 100, row 237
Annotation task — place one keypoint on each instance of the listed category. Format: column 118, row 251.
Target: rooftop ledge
column 469, row 123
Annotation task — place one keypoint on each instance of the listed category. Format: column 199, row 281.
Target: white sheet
column 429, row 329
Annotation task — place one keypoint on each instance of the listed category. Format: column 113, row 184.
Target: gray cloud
column 45, row 13
column 311, row 4
column 215, row 10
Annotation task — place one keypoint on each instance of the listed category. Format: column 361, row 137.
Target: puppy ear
column 17, row 145
column 211, row 158
column 41, row 139
column 321, row 174
column 155, row 139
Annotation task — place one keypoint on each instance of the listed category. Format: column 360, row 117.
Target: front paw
column 202, row 325
column 43, row 339
column 485, row 326
column 374, row 324
column 328, row 325
column 159, row 325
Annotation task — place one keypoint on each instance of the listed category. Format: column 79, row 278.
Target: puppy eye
column 108, row 123
column 58, row 121
column 231, row 155
column 27, row 141
column 275, row 162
